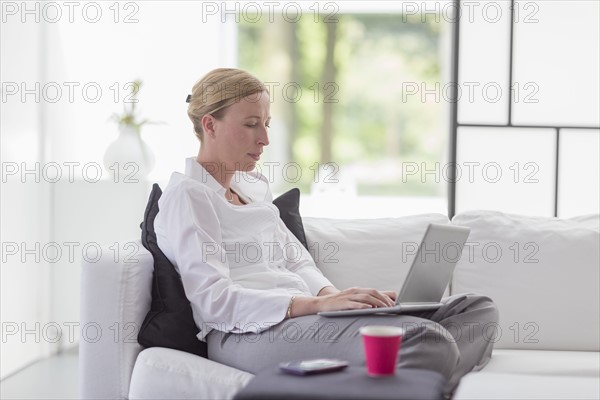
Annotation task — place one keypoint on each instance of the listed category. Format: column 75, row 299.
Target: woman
column 218, row 226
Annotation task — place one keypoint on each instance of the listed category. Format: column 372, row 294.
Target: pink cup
column 382, row 344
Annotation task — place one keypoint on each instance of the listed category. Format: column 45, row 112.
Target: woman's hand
column 391, row 294
column 331, row 299
column 333, row 290
column 355, row 298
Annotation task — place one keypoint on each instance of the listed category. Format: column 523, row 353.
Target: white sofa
column 543, row 273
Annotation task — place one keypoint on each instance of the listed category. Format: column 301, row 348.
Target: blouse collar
column 196, row 171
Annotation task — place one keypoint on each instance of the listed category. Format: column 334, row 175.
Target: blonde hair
column 217, row 90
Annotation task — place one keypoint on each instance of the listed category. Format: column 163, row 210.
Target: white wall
column 26, row 211
column 168, row 51
column 169, row 48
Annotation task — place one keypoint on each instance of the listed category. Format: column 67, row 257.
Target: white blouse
column 239, row 265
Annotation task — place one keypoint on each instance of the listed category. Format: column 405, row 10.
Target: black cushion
column 289, row 210
column 169, row 323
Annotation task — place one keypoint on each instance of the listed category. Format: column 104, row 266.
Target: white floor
column 52, row 378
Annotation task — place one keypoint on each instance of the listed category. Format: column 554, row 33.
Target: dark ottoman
column 351, row 383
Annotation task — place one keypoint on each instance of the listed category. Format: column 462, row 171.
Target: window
column 358, row 108
column 531, row 131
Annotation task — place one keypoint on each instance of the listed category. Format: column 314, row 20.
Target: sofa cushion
column 367, row 252
column 541, row 374
column 545, row 362
column 502, row 386
column 161, row 373
column 289, row 211
column 542, row 273
column 169, row 323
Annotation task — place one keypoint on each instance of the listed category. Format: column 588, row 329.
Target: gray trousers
column 452, row 340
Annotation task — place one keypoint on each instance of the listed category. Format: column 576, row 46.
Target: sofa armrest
column 115, row 298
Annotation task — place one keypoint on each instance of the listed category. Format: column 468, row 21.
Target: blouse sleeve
column 302, row 262
column 190, row 224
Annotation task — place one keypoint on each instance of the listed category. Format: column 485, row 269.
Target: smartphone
column 311, row 367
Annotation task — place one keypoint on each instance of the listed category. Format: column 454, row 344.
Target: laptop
column 428, row 276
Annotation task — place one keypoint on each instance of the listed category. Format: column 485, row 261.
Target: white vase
column 128, row 158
